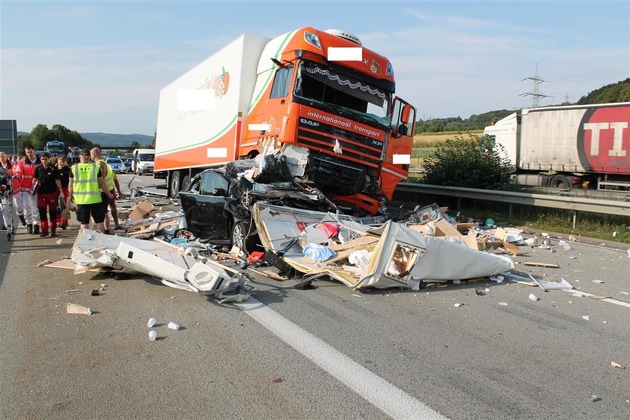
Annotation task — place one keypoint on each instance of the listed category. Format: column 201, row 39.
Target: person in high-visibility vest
column 111, row 180
column 9, row 167
column 25, row 171
column 86, row 183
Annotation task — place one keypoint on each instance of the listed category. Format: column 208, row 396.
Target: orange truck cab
column 320, row 97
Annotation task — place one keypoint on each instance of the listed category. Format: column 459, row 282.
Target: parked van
column 142, row 161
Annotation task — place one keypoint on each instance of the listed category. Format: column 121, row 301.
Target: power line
column 535, row 93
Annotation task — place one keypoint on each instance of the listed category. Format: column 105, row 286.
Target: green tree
column 474, row 163
column 42, row 134
column 135, row 144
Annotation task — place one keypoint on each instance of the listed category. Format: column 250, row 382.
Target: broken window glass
column 328, row 87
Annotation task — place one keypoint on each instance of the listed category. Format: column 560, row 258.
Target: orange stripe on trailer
column 208, row 154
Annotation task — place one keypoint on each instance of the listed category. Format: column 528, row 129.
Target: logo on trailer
column 604, row 139
column 219, row 83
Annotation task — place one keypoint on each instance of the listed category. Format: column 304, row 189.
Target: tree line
column 615, row 92
column 41, row 134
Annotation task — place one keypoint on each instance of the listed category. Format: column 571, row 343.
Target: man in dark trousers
column 48, row 190
column 64, row 178
column 86, row 183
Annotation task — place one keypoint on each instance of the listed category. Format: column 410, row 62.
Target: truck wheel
column 561, row 181
column 174, row 183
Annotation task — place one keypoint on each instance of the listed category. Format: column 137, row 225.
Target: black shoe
column 22, row 221
column 35, row 230
column 106, row 231
column 29, row 229
column 53, row 233
column 63, row 227
column 9, row 236
column 43, row 234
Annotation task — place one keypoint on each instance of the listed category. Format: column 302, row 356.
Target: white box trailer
column 567, row 145
column 201, row 112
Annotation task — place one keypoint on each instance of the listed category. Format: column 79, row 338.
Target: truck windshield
column 342, row 94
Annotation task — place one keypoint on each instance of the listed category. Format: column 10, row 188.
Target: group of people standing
column 34, row 187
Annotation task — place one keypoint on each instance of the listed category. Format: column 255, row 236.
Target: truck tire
column 561, row 181
column 174, row 184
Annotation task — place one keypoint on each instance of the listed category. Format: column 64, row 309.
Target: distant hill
column 107, row 140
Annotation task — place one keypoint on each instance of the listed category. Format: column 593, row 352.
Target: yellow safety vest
column 108, row 176
column 85, row 188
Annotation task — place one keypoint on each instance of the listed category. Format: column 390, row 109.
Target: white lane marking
column 609, row 300
column 377, row 391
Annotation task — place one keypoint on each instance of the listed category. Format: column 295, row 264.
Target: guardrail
column 618, row 208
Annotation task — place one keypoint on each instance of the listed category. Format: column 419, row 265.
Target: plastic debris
column 73, row 308
column 173, row 326
column 595, row 398
column 533, row 297
column 616, row 365
column 43, row 263
column 152, row 335
column 564, row 245
column 498, row 278
column 503, row 303
column 457, row 305
column 151, row 323
column 598, row 281
column 586, row 317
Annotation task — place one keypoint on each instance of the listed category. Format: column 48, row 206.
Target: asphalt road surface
column 482, row 350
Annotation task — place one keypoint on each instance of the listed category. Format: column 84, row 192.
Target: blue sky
column 98, row 66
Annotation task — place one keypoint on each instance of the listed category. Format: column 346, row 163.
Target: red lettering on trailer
column 604, row 140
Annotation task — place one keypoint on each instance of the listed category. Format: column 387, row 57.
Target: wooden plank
column 539, row 264
column 355, row 243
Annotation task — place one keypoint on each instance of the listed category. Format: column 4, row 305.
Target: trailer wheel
column 561, row 181
column 174, row 183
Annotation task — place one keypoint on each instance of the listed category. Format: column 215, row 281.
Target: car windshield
column 146, row 158
column 114, row 160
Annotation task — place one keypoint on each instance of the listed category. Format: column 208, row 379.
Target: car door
column 203, row 205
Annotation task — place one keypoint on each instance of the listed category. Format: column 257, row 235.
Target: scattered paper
column 556, row 285
column 586, row 317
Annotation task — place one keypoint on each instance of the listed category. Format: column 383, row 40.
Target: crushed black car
column 217, row 203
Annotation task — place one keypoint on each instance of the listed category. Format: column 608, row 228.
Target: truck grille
column 334, row 176
column 318, row 136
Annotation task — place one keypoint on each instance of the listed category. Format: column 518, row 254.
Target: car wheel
column 185, row 182
column 238, row 236
column 245, row 239
column 174, row 183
